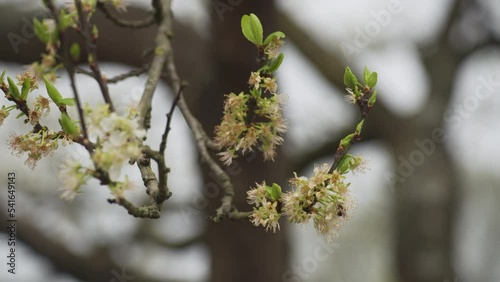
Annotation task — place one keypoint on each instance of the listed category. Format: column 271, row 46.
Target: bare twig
column 156, row 189
column 202, row 143
column 92, row 51
column 79, row 107
column 81, row 70
column 118, row 78
column 164, row 55
column 147, row 22
column 134, row 72
column 163, row 144
column 149, row 211
column 162, row 50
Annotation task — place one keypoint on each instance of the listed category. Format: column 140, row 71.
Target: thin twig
column 147, row 22
column 118, row 78
column 164, row 55
column 92, row 51
column 71, row 73
column 134, row 72
column 149, row 211
column 202, row 142
column 343, row 150
column 162, row 50
column 163, row 144
column 81, row 70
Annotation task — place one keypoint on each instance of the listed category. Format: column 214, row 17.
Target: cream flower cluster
column 265, row 210
column 37, row 145
column 4, row 113
column 41, row 109
column 118, row 138
column 324, row 198
column 252, row 120
column 72, row 176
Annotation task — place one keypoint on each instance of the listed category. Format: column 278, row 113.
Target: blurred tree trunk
column 427, row 200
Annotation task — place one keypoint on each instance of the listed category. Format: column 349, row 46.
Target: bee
column 341, row 211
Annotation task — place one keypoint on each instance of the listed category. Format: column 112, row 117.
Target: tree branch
column 134, row 72
column 147, row 22
column 92, row 51
column 324, row 149
column 203, row 142
column 118, row 78
column 162, row 50
column 163, row 144
column 364, row 108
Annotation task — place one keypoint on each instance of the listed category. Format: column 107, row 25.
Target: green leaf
column 264, row 68
column 350, row 79
column 372, row 99
column 26, row 88
column 52, row 91
column 276, row 63
column 74, row 52
column 98, row 142
column 366, row 75
column 270, row 37
column 274, row 192
column 255, row 92
column 20, row 115
column 68, row 125
column 65, row 20
column 359, row 127
column 14, row 91
column 2, row 76
column 345, row 164
column 68, row 101
column 372, row 80
column 252, row 29
column 41, row 31
column 344, row 142
column 95, row 32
